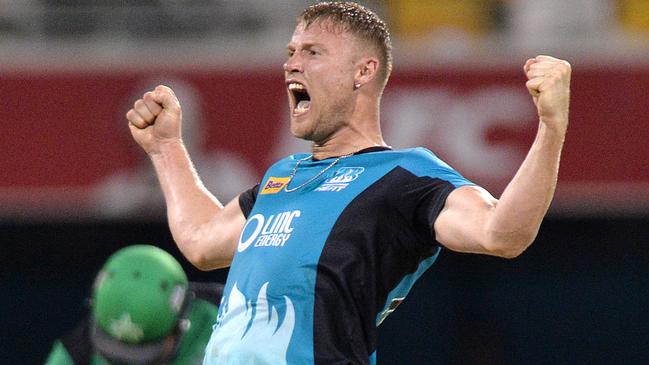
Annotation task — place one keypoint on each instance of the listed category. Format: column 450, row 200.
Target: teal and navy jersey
column 317, row 269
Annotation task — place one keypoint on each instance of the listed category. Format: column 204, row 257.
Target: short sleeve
column 426, row 191
column 247, row 200
column 425, row 198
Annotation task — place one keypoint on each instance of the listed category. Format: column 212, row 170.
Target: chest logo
column 341, row 179
column 272, row 231
column 274, row 185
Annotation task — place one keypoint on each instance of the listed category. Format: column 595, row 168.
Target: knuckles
column 139, row 103
column 130, row 115
column 148, row 96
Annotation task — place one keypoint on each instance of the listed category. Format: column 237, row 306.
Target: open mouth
column 301, row 98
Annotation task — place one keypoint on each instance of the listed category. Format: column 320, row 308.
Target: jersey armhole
column 247, row 200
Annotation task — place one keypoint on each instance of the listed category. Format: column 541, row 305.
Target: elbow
column 199, row 261
column 189, row 244
column 509, row 246
column 511, row 253
column 201, row 253
column 202, row 263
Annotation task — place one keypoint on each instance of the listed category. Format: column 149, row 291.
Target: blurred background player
column 143, row 311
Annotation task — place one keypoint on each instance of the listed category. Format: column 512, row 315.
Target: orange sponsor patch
column 274, row 185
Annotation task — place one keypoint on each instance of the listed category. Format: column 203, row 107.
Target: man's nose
column 293, row 65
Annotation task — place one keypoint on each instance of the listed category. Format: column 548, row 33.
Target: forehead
column 322, row 32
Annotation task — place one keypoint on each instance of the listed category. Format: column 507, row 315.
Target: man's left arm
column 474, row 221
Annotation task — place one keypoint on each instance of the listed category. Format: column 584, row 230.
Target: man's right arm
column 205, row 231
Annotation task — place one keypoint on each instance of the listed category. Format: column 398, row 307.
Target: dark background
column 578, row 295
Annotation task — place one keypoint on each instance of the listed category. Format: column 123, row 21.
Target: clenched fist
column 549, row 84
column 155, row 119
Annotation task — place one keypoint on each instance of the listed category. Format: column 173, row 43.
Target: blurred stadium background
column 74, row 187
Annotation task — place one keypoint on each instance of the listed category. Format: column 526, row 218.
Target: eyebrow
column 306, row 45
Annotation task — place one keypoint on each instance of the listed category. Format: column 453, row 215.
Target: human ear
column 366, row 71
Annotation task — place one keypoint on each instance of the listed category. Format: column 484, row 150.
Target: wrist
column 167, row 146
column 557, row 124
column 554, row 132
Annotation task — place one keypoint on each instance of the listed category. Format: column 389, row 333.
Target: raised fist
column 155, row 119
column 549, row 84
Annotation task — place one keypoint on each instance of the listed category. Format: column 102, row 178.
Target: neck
column 362, row 130
column 346, row 141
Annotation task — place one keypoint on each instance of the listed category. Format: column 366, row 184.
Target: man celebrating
column 329, row 243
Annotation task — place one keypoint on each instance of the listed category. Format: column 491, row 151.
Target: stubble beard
column 325, row 125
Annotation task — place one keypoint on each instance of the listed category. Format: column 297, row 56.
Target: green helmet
column 139, row 295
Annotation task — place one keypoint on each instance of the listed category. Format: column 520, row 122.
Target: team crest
column 341, row 179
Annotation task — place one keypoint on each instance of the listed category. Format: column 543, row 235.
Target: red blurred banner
column 67, row 152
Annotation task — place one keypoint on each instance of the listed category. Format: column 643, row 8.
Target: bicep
column 461, row 225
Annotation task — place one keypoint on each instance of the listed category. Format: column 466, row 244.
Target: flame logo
column 240, row 337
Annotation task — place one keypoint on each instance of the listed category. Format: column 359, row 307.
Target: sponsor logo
column 273, row 231
column 274, row 185
column 341, row 179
